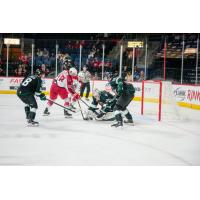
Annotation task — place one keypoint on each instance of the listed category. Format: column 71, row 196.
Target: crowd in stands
column 2, row 71
column 138, row 74
column 45, row 58
column 91, row 56
column 174, row 44
column 20, row 71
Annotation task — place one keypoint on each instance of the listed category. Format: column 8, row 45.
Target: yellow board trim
column 14, row 92
column 152, row 100
column 188, row 105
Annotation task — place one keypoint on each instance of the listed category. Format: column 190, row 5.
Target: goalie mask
column 96, row 94
column 73, row 71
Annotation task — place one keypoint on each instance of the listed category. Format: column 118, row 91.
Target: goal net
column 158, row 101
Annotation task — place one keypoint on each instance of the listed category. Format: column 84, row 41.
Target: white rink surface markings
column 60, row 141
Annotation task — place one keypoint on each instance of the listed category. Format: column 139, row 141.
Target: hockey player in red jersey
column 63, row 85
column 73, row 88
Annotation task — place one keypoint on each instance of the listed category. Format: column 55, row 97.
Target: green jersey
column 121, row 87
column 30, row 85
column 106, row 100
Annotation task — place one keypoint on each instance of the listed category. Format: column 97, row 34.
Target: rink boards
column 185, row 95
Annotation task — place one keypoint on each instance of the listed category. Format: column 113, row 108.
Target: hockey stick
column 89, row 106
column 84, row 103
column 61, row 105
column 81, row 111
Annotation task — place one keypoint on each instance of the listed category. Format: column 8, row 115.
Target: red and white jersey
column 65, row 80
column 61, row 79
column 72, row 83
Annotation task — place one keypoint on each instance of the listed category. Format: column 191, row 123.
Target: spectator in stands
column 23, row 59
column 52, row 60
column 95, row 64
column 125, row 70
column 128, row 76
column 44, row 70
column 20, row 71
column 136, row 74
column 2, row 72
column 95, row 77
column 141, row 76
column 86, row 76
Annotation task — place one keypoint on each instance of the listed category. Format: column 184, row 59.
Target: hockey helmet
column 111, row 76
column 38, row 72
column 67, row 63
column 96, row 93
column 73, row 71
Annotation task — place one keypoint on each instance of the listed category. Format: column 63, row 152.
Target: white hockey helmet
column 73, row 71
column 96, row 93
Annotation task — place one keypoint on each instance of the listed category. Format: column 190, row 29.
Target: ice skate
column 46, row 112
column 88, row 118
column 32, row 123
column 129, row 121
column 67, row 114
column 119, row 124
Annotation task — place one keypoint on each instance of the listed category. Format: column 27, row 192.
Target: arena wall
column 185, row 95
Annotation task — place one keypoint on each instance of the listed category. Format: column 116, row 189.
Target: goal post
column 157, row 99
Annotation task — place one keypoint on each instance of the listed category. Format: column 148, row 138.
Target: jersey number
column 27, row 81
column 61, row 78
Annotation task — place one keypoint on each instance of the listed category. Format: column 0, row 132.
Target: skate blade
column 46, row 114
column 87, row 119
column 118, row 127
column 32, row 125
column 130, row 124
column 68, row 117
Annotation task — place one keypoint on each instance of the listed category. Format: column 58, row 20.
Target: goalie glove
column 101, row 114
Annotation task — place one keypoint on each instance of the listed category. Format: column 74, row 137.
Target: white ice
column 60, row 141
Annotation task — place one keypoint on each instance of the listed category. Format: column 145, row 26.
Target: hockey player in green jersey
column 124, row 94
column 107, row 102
column 29, row 88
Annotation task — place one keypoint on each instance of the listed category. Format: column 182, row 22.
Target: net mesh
column 169, row 108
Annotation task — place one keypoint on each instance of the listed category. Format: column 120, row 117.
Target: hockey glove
column 107, row 109
column 112, row 101
column 42, row 97
column 101, row 114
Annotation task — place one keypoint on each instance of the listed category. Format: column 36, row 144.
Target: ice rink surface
column 61, row 141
